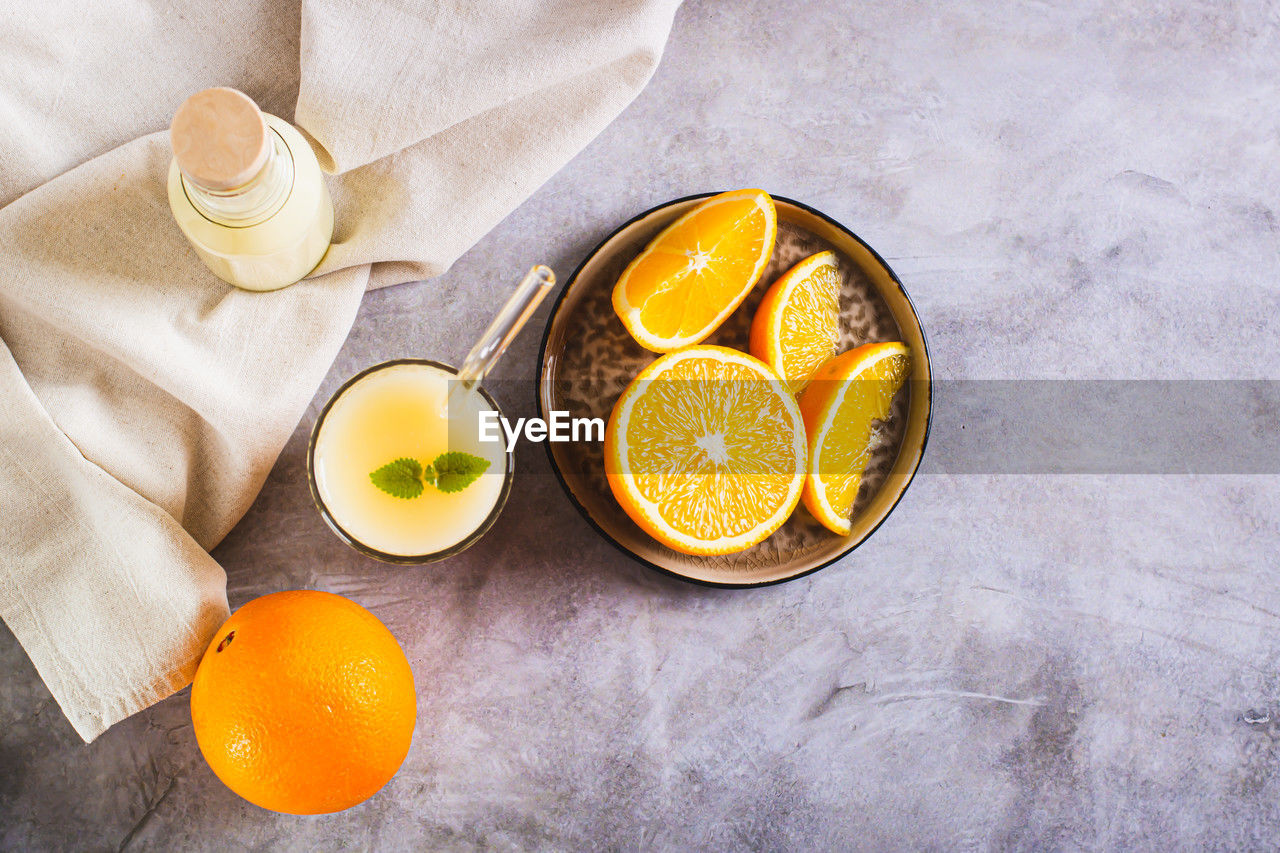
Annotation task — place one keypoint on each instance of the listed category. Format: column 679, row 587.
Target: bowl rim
column 608, row 537
column 508, row 475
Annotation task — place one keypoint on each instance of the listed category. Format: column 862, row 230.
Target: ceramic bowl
column 588, row 358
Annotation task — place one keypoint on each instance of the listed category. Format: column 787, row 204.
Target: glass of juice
column 409, row 412
column 395, row 410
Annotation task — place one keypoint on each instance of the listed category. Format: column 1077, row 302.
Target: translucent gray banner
column 1056, row 426
column 1105, row 427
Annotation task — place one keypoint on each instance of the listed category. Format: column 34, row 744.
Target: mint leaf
column 457, row 470
column 406, row 478
column 402, row 478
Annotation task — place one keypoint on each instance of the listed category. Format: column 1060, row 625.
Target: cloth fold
column 142, row 400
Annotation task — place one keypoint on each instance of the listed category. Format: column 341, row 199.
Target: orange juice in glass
column 397, row 465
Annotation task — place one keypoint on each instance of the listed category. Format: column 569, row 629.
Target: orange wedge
column 697, row 271
column 706, row 450
column 797, row 326
column 844, row 400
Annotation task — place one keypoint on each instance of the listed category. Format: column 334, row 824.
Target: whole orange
column 304, row 703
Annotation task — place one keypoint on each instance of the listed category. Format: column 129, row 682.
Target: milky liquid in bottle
column 247, row 191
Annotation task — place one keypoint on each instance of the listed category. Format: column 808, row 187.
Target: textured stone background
column 1068, row 190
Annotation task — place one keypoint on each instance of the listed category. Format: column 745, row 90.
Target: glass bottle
column 247, row 191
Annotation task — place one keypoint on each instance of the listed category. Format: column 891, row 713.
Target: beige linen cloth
column 142, row 400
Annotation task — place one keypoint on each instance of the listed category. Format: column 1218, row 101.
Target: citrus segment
column 844, row 400
column 706, row 450
column 692, row 276
column 304, row 703
column 797, row 325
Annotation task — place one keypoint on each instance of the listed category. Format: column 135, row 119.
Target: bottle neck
column 257, row 199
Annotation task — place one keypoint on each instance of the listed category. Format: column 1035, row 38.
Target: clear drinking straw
column 502, row 331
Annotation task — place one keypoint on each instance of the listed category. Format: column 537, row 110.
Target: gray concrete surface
column 1083, row 190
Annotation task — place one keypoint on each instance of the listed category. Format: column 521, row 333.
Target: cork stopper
column 219, row 138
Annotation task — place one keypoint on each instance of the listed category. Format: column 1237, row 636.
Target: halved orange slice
column 841, row 405
column 692, row 276
column 797, row 325
column 706, row 450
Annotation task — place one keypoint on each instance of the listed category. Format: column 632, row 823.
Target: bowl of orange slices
column 764, row 378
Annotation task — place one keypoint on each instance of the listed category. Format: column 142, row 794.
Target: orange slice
column 797, row 325
column 697, row 271
column 845, row 398
column 706, row 450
